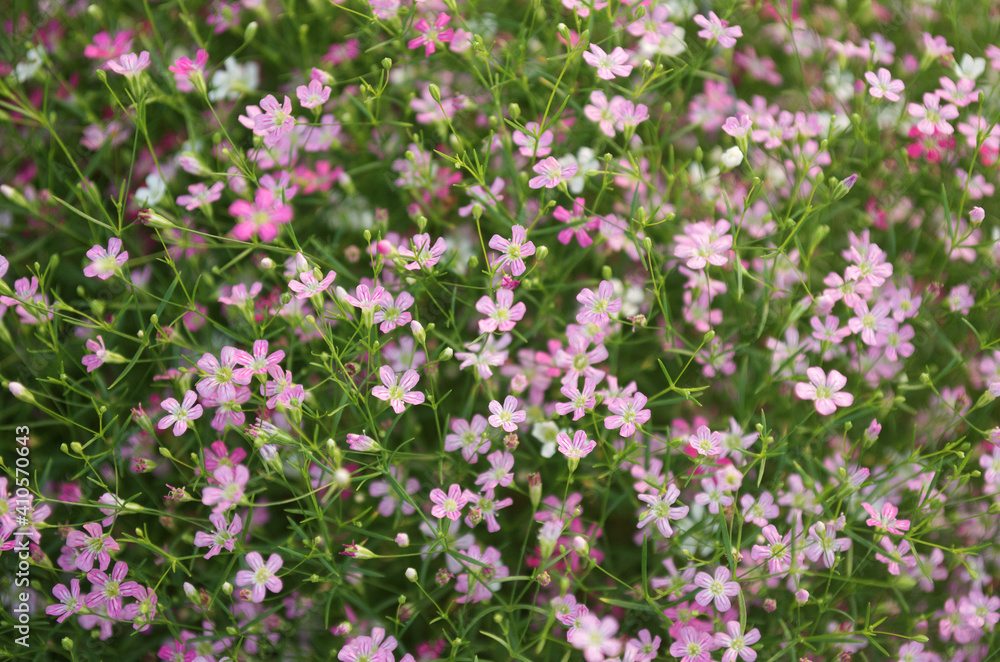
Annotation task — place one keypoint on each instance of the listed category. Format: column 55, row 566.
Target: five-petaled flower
column 551, row 173
column 180, row 414
column 105, row 262
column 506, row 416
column 714, row 27
column 448, row 505
column 514, row 250
column 825, row 389
column 398, row 391
column 609, row 65
column 261, row 576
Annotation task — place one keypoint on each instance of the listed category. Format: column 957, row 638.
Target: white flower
column 30, row 65
column 732, row 157
column 546, row 433
column 970, row 67
column 228, row 83
column 154, row 190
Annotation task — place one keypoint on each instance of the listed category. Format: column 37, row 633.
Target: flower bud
column 417, row 329
column 411, row 574
column 402, row 539
column 976, row 216
column 227, row 588
column 535, row 489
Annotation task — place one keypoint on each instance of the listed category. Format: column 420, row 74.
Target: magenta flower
column 224, row 535
column 183, row 67
column 499, row 474
column 366, row 298
column 609, row 65
column 370, row 649
column 714, row 27
column 825, row 390
column 69, row 601
column 627, row 414
column 483, row 568
column 180, row 414
column 432, row 35
column 129, row 64
column 109, row 591
column 361, row 442
column 313, row 96
column 95, row 360
column 506, row 416
column 514, row 250
column 883, row 85
column 692, row 645
column 896, row 555
column 717, row 588
column 307, row 285
column 551, row 173
column 706, row 442
column 397, row 391
column 95, row 544
column 535, row 143
column 778, row 553
column 105, row 262
column 502, row 314
column 448, row 505
column 262, row 577
column 260, row 218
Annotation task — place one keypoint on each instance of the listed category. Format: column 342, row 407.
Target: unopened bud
column 411, row 574
column 250, row 32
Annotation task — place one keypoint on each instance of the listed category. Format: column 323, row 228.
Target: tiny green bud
column 514, row 111
column 446, row 354
column 67, row 643
column 709, row 335
column 76, row 447
column 435, row 92
column 387, row 63
column 541, row 252
column 250, row 32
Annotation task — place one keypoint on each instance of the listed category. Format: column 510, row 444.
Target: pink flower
column 393, row 314
column 179, row 414
column 232, row 483
column 499, row 474
column 260, row 218
column 220, row 380
column 823, row 542
column 448, row 505
column 183, row 67
column 422, row 255
column 883, row 85
column 69, row 601
column 129, row 64
column 263, row 577
column 598, row 308
column 604, row 112
column 660, row 509
column 608, row 65
column 825, row 390
column 577, row 447
column 366, row 299
column 716, row 28
column 501, row 315
column 595, row 637
column 224, row 535
column 706, row 442
column 105, row 262
column 736, row 643
column 397, row 390
column 717, row 588
column 432, row 36
column 738, row 125
column 200, row 195
column 551, row 173
column 627, row 414
column 704, row 243
column 579, row 401
column 932, row 116
column 307, row 285
column 95, row 544
column 109, row 591
column 692, row 645
column 95, row 360
column 313, row 96
column 514, row 250
column 506, row 416
column 275, row 121
column 886, row 520
column 535, row 142
column 471, row 438
column 257, row 364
